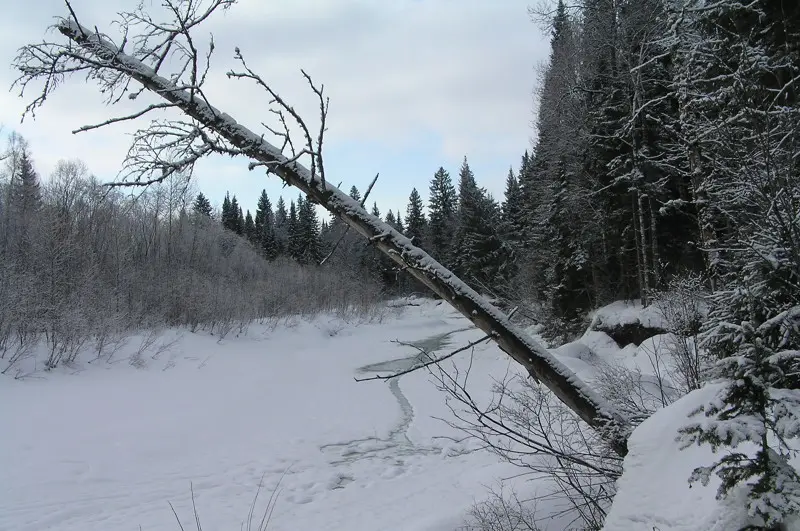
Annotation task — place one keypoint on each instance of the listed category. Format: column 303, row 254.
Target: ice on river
column 106, row 446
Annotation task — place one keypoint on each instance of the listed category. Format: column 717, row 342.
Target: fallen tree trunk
column 103, row 55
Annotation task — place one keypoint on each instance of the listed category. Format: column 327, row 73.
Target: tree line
column 464, row 227
column 82, row 263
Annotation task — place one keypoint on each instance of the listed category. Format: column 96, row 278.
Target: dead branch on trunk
column 347, row 228
column 431, row 359
column 166, row 61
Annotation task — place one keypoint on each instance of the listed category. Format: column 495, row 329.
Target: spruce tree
column 567, row 165
column 390, row 219
column 265, row 227
column 754, row 335
column 281, row 227
column 263, row 210
column 469, row 198
column 239, row 229
column 513, row 212
column 415, row 219
column 249, row 228
column 737, row 84
column 25, row 200
column 230, row 214
column 442, row 210
column 399, row 223
column 378, row 265
column 226, row 209
column 482, row 257
column 26, row 194
column 310, row 245
column 528, row 192
column 567, row 277
column 202, row 206
column 651, row 167
column 293, row 238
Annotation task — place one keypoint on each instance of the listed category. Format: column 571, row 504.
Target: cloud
column 417, row 83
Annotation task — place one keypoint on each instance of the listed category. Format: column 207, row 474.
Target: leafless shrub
column 149, row 339
column 165, row 346
column 242, row 325
column 150, row 335
column 66, row 333
column 673, row 358
column 109, row 339
column 222, row 327
column 253, row 522
column 137, row 361
column 18, row 332
column 527, row 426
column 637, row 394
column 684, row 307
column 502, row 512
column 18, row 346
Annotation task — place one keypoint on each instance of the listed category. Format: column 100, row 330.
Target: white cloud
column 458, row 70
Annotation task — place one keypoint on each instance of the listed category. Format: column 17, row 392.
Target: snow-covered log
column 93, row 52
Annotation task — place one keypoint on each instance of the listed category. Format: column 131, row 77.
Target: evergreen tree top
column 443, row 197
column 202, row 205
column 264, row 202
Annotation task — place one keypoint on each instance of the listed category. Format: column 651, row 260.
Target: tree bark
column 536, row 360
column 645, row 274
column 654, row 255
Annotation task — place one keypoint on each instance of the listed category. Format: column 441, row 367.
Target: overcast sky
column 414, row 85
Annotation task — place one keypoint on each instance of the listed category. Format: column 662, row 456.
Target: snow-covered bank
column 653, row 492
column 107, row 446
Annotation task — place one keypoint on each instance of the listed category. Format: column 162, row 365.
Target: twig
column 432, row 361
column 194, row 509
column 369, row 189
column 347, row 229
column 324, row 103
column 176, row 516
column 124, row 118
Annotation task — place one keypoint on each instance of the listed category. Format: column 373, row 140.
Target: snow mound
column 576, row 349
column 620, row 313
column 654, row 492
column 628, row 322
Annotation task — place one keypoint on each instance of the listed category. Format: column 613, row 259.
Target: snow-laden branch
column 91, row 52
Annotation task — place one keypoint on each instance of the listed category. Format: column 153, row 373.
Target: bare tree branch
column 347, row 229
column 431, row 361
column 133, row 116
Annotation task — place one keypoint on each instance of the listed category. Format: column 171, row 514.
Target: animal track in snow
column 396, row 444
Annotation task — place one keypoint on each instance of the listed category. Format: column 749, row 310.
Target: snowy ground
column 108, row 446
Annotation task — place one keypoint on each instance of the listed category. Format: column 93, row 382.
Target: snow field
column 107, row 446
